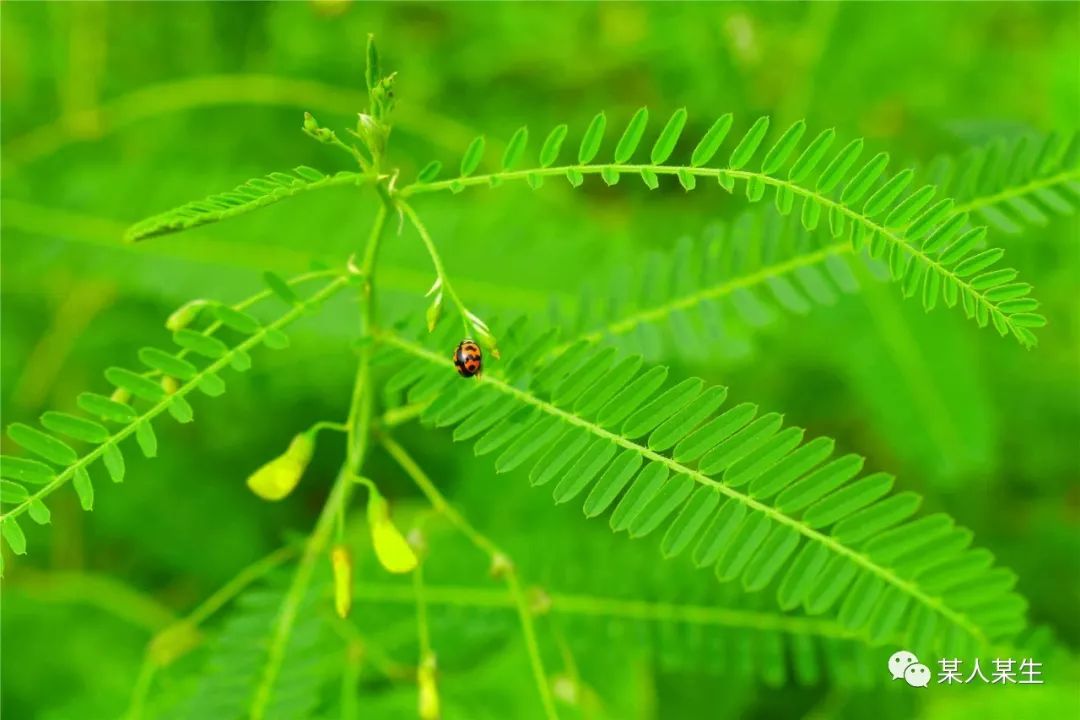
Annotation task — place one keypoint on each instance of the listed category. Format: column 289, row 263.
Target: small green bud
column 173, row 642
column 185, row 315
column 429, row 691
column 372, row 71
column 310, row 123
column 434, row 312
column 341, row 562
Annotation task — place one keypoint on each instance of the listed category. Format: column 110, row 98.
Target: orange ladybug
column 468, row 359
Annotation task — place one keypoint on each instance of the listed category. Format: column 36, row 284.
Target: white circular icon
column 917, row 675
column 900, row 661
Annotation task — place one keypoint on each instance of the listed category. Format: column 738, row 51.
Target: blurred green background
column 111, row 112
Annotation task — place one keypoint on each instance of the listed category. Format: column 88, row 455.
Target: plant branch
column 299, row 310
column 824, row 201
column 440, row 271
column 611, row 607
column 500, row 561
column 359, row 420
column 861, row 560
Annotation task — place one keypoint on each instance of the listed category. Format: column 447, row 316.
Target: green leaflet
column 782, row 149
column 200, row 343
column 665, row 142
column 549, row 151
column 711, row 141
column 515, row 148
column 691, row 519
column 590, row 141
column 167, row 364
column 611, row 483
column 43, row 445
column 811, row 156
column 556, row 459
column 24, row 470
column 473, row 154
column 106, row 408
column 429, row 172
column 75, row 427
column 858, row 186
column 631, row 137
column 84, row 488
column 749, row 143
column 838, row 167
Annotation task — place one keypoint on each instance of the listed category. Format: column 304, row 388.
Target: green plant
column 736, row 490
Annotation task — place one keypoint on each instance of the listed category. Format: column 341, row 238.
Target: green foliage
column 254, row 194
column 736, row 490
column 158, row 387
column 1010, row 185
column 922, row 243
column 789, row 565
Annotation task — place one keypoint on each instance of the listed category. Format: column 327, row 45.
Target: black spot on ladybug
column 468, row 359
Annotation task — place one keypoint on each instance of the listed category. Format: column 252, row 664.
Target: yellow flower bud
column 277, row 478
column 184, row 315
column 394, row 553
column 169, row 384
column 342, row 564
column 120, row 395
column 173, row 642
column 429, row 691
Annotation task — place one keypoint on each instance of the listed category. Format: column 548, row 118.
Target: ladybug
column 468, row 359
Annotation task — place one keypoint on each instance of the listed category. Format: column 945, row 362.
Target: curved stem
column 440, row 271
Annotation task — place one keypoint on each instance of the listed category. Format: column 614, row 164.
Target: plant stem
column 359, row 420
column 440, row 271
column 199, row 615
column 499, row 560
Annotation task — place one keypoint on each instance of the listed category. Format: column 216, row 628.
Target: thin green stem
column 328, row 290
column 249, row 302
column 423, row 630
column 440, row 271
column 500, row 562
column 202, row 612
column 609, row 607
column 658, row 312
column 834, row 546
column 359, row 422
column 1019, row 191
column 822, row 200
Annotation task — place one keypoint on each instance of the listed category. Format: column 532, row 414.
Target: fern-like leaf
column 62, row 463
column 254, row 194
column 223, row 685
column 737, row 492
column 707, row 296
column 920, row 241
column 1013, row 185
